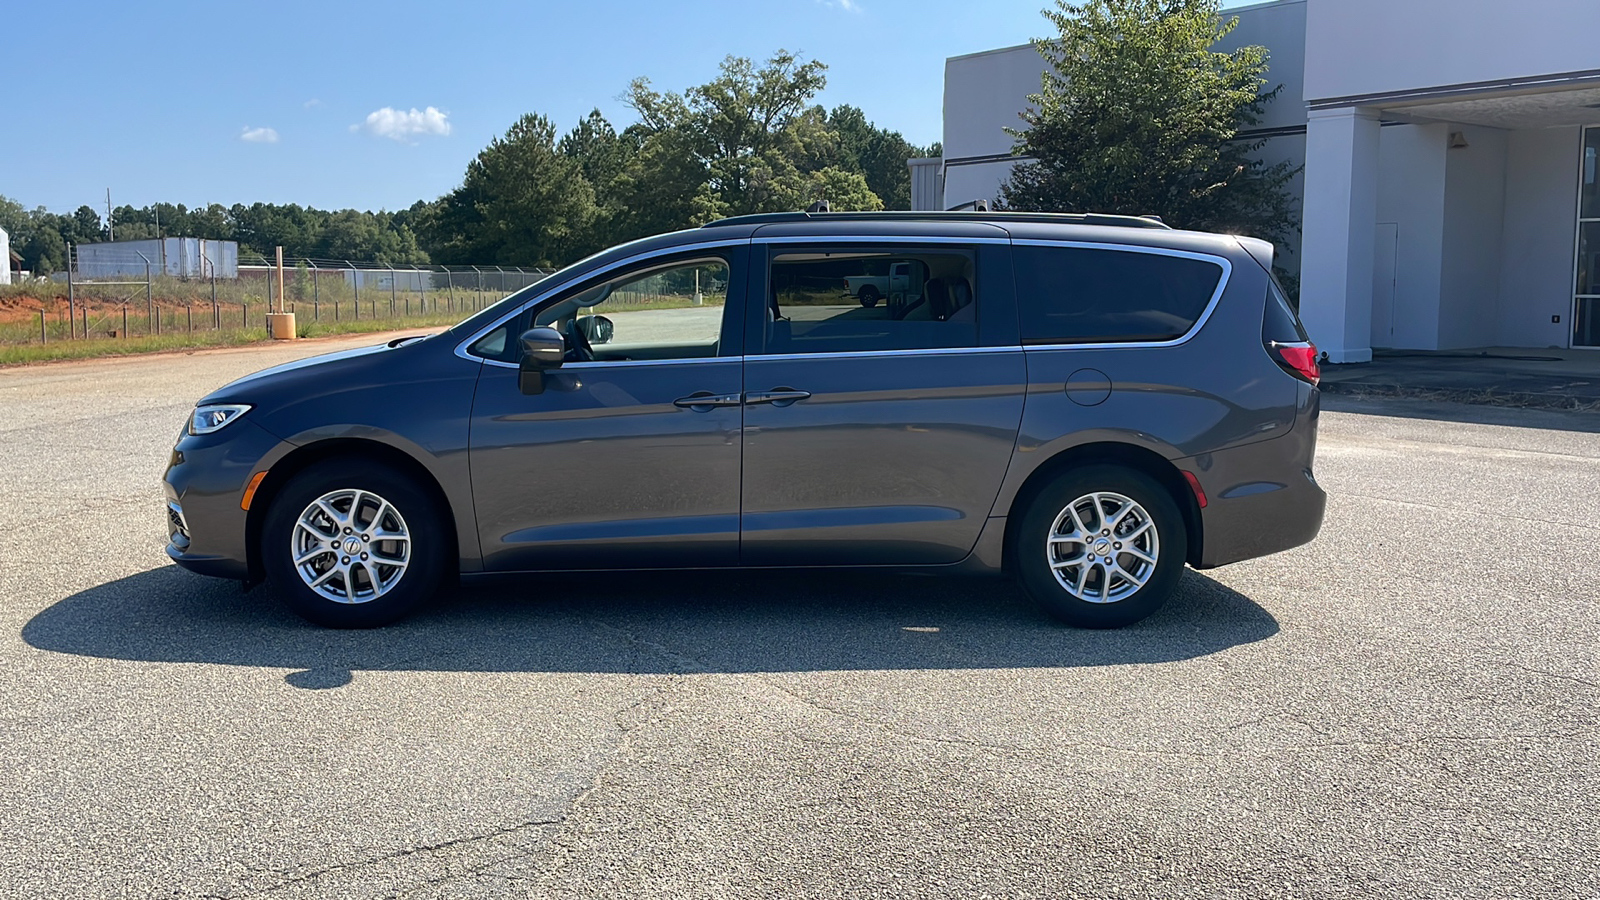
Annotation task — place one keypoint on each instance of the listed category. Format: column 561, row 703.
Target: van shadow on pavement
column 647, row 624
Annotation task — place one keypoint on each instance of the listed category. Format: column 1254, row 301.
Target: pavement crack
column 1548, row 674
column 402, row 853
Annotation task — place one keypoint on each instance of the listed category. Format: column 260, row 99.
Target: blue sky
column 376, row 105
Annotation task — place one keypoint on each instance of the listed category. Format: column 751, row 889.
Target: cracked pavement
column 1406, row 708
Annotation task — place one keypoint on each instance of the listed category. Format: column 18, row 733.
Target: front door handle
column 777, row 397
column 705, row 401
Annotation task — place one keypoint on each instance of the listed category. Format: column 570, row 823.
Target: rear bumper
column 1263, row 498
column 1280, row 517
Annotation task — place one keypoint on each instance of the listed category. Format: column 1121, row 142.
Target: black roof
column 997, row 218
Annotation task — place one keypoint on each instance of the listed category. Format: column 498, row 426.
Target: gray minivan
column 1084, row 402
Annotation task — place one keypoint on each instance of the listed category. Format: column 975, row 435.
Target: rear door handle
column 778, row 397
column 705, row 401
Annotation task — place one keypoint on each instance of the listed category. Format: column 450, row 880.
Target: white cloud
column 312, row 102
column 259, row 135
column 846, row 5
column 402, row 126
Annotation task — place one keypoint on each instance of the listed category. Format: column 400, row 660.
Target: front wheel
column 1101, row 547
column 352, row 545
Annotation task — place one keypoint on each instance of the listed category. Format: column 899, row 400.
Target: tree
column 1138, row 115
column 880, row 155
column 739, row 129
column 522, row 203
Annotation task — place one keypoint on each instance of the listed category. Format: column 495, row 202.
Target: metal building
column 175, row 257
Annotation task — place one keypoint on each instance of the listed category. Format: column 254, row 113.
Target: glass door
column 1586, row 305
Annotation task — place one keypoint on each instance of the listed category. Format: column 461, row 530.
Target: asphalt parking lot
column 1406, row 708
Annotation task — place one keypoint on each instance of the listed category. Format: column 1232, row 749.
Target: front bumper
column 207, row 531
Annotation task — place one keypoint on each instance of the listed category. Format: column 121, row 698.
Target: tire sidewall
column 1033, row 570
column 422, row 517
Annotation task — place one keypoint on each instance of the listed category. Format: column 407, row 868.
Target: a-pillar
column 1341, row 213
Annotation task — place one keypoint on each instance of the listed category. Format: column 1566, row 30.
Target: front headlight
column 207, row 419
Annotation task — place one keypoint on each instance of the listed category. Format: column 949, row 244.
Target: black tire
column 1033, row 552
column 869, row 296
column 423, row 520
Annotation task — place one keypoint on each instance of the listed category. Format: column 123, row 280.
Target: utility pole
column 111, row 230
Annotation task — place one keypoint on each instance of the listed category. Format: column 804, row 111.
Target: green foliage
column 878, row 154
column 1138, row 115
column 748, row 141
column 523, row 203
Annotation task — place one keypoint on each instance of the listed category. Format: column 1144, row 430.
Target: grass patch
column 23, row 354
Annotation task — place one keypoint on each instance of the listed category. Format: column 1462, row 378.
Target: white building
column 175, row 257
column 1449, row 194
column 5, row 257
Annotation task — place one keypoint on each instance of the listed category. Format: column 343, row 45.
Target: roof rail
column 947, row 216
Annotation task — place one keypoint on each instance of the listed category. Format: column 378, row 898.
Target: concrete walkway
column 1546, row 379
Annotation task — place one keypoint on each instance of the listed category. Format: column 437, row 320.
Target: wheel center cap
column 352, row 545
column 1102, row 546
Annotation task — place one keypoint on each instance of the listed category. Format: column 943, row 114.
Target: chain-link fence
column 134, row 297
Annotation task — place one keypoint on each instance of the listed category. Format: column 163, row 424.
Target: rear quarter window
column 1280, row 324
column 1079, row 295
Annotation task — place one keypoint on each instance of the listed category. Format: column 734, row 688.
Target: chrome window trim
column 621, row 363
column 1205, row 316
column 833, row 354
column 461, row 348
column 1222, row 286
column 875, row 354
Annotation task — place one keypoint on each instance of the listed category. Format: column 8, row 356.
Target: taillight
column 1299, row 360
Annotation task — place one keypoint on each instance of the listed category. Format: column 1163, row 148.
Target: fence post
column 72, row 296
column 450, row 286
column 392, row 286
column 124, row 321
column 244, row 315
column 154, row 324
column 44, row 335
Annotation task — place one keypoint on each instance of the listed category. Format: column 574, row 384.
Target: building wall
column 1474, row 217
column 1541, row 212
column 984, row 94
column 176, row 257
column 1281, row 28
column 5, row 257
column 1411, row 195
column 1363, row 47
column 927, row 183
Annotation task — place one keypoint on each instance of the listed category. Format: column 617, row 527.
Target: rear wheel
column 869, row 296
column 1101, row 547
column 352, row 545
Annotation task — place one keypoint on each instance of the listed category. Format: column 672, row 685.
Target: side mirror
column 542, row 348
column 598, row 329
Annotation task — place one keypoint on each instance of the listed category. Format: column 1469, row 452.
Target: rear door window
column 824, row 299
column 1083, row 295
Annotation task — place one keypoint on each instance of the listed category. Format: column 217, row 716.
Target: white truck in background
column 902, row 285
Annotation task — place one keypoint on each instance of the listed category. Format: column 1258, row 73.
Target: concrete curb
column 1516, row 399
